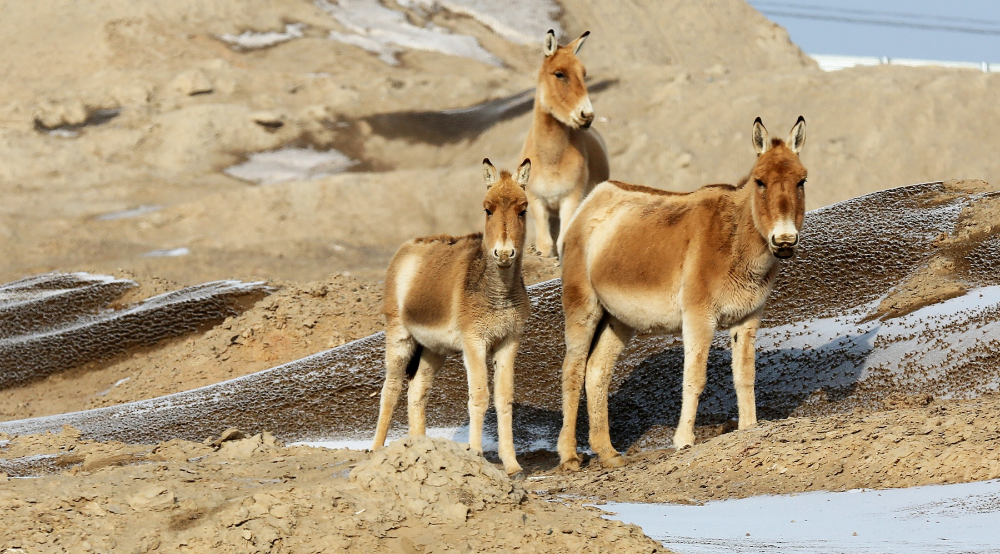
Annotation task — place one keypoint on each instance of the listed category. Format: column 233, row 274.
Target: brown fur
column 639, row 259
column 568, row 158
column 447, row 294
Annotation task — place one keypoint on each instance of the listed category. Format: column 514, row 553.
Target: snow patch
column 290, row 164
column 253, row 40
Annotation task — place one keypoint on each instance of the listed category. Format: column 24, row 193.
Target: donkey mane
column 658, row 192
column 448, row 239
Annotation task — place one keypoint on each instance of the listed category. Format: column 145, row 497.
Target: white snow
column 252, row 40
column 290, row 164
column 385, row 31
column 525, row 21
column 167, row 253
column 941, row 518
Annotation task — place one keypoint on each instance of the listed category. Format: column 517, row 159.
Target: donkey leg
column 399, row 348
column 474, row 354
column 611, row 337
column 697, row 335
column 503, row 398
column 743, row 339
column 540, row 213
column 567, row 208
column 430, row 362
column 583, row 313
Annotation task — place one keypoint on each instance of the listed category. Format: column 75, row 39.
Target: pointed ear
column 524, row 173
column 797, row 137
column 761, row 142
column 578, row 43
column 490, row 173
column 551, row 43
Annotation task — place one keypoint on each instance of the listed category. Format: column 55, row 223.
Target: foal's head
column 779, row 178
column 560, row 83
column 505, row 205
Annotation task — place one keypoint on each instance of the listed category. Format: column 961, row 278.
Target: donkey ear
column 523, row 173
column 578, row 43
column 797, row 137
column 761, row 142
column 551, row 43
column 490, row 173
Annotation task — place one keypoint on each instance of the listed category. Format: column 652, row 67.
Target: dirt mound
column 437, row 480
column 250, row 494
column 939, row 442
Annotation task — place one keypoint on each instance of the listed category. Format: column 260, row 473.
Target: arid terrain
column 293, row 145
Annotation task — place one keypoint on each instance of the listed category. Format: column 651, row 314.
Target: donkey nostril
column 496, row 253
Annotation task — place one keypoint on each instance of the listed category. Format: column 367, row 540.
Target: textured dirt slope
column 253, row 495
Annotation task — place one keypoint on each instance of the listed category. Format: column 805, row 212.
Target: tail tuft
column 414, row 363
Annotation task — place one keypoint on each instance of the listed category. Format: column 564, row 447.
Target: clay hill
column 200, row 199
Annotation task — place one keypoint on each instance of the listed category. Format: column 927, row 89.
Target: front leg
column 743, row 338
column 503, row 398
column 567, row 209
column 543, row 232
column 474, row 355
column 697, row 334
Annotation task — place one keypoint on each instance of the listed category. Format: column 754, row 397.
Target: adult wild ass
column 568, row 157
column 641, row 259
column 460, row 294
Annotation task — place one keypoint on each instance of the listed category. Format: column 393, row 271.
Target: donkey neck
column 551, row 136
column 494, row 284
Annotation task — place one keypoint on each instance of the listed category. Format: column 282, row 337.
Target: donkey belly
column 445, row 340
column 653, row 312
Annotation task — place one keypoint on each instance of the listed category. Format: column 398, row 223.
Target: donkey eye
column 521, row 213
column 760, row 183
column 488, row 212
column 560, row 75
column 802, row 183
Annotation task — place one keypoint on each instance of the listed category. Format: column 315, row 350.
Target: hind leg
column 583, row 313
column 420, row 385
column 503, row 399
column 611, row 337
column 399, row 348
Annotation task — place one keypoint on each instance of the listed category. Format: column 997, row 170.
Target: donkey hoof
column 517, row 476
column 573, row 464
column 613, row 462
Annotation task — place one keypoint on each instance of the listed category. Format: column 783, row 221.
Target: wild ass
column 460, row 294
column 569, row 157
column 641, row 259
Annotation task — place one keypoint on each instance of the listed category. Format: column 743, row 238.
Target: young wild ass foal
column 460, row 294
column 641, row 259
column 569, row 157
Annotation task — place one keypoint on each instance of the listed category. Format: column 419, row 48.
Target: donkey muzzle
column 504, row 257
column 784, row 247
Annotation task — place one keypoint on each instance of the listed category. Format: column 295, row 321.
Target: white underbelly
column 443, row 339
column 647, row 313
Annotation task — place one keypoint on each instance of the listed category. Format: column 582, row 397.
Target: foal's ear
column 761, row 142
column 578, row 43
column 490, row 173
column 523, row 173
column 551, row 43
column 797, row 137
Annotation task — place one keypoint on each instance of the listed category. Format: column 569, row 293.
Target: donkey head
column 561, row 89
column 779, row 201
column 505, row 205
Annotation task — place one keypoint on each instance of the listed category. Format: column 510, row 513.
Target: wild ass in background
column 641, row 259
column 569, row 157
column 460, row 294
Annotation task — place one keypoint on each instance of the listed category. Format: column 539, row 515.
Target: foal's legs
column 611, row 337
column 743, row 337
column 430, row 362
column 503, row 397
column 399, row 348
column 474, row 355
column 697, row 332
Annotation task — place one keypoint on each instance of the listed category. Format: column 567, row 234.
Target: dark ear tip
column 800, row 120
column 551, row 32
column 526, row 161
column 487, row 161
column 758, row 121
column 585, row 34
